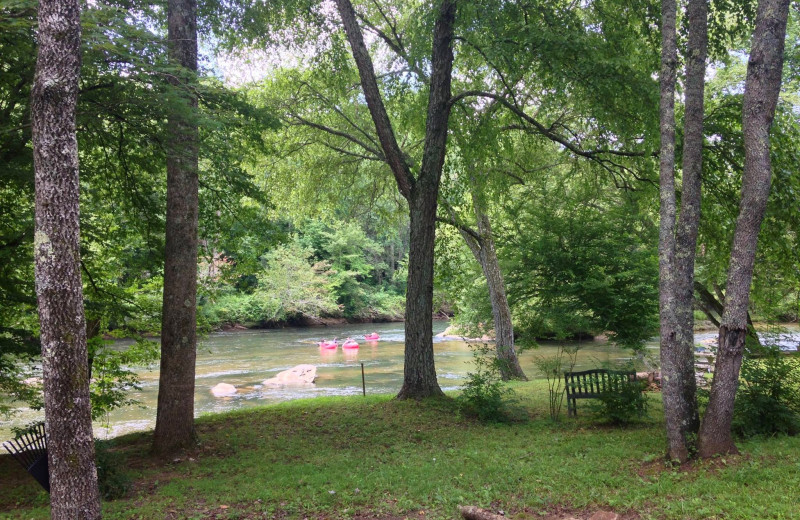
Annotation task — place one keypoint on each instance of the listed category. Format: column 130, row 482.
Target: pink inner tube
column 371, row 337
column 327, row 344
column 350, row 344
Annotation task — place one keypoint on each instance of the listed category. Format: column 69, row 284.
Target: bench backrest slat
column 592, row 383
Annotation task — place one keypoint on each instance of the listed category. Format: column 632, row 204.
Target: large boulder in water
column 299, row 375
column 223, row 390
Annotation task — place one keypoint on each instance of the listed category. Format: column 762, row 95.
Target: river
column 246, row 358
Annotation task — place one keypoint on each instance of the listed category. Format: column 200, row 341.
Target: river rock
column 223, row 390
column 650, row 377
column 299, row 375
column 452, row 332
column 604, row 515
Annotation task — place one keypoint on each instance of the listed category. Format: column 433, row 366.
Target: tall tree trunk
column 678, row 236
column 481, row 244
column 59, row 290
column 419, row 372
column 175, row 415
column 673, row 409
column 421, row 192
column 762, row 87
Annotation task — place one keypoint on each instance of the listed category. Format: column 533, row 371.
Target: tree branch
column 436, row 122
column 396, row 45
column 461, row 227
column 383, row 126
column 341, row 114
column 543, row 130
column 339, row 133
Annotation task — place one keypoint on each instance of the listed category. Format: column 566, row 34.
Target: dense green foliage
column 585, row 266
column 622, row 403
column 485, row 395
column 579, row 260
column 323, row 271
column 768, row 399
column 551, row 138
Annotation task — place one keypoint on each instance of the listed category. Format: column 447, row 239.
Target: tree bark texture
column 420, row 380
column 677, row 238
column 175, row 416
column 59, row 290
column 762, row 88
column 482, row 246
column 422, row 191
column 419, row 370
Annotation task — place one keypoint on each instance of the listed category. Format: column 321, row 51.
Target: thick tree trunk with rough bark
column 419, row 372
column 59, row 290
column 421, row 192
column 175, row 415
column 678, row 236
column 762, row 87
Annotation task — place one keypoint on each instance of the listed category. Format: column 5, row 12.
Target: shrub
column 623, row 402
column 484, row 395
column 553, row 369
column 768, row 398
column 385, row 305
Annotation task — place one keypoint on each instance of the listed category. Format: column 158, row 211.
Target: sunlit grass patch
column 350, row 457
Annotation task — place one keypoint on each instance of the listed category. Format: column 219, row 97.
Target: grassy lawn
column 374, row 457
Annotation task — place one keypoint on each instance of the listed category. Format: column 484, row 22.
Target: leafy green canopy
column 322, row 271
column 583, row 262
column 121, row 125
column 776, row 282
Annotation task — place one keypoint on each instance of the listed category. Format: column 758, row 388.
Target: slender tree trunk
column 762, row 87
column 481, row 243
column 175, row 415
column 678, row 237
column 59, row 290
column 421, row 192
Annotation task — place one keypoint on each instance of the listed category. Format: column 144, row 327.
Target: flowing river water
column 246, row 358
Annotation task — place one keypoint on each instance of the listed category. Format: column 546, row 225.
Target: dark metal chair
column 30, row 450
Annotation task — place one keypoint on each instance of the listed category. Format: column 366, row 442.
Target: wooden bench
column 591, row 384
column 30, row 450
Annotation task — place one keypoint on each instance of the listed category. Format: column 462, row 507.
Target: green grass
column 375, row 457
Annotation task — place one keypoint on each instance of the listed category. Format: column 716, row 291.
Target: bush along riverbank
column 320, row 274
column 377, row 458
